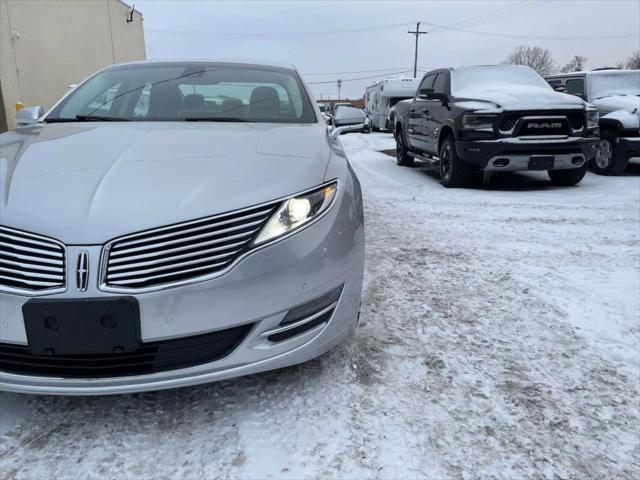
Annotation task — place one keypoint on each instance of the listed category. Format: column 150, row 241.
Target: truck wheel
column 402, row 155
column 454, row 172
column 567, row 178
column 607, row 160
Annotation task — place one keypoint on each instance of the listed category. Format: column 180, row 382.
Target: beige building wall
column 47, row 45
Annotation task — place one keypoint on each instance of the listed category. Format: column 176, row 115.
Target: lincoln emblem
column 82, row 272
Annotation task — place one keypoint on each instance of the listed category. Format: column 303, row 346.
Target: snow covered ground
column 500, row 337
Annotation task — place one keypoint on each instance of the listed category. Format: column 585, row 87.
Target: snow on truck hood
column 85, row 183
column 515, row 97
column 624, row 109
column 627, row 103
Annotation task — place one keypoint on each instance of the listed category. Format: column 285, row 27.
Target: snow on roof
column 599, row 71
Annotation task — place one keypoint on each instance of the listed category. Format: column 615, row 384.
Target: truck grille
column 30, row 263
column 576, row 120
column 177, row 254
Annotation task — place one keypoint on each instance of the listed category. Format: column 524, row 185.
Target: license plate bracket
column 82, row 327
column 541, row 162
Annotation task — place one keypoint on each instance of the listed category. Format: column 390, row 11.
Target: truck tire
column 402, row 154
column 608, row 160
column 454, row 172
column 567, row 178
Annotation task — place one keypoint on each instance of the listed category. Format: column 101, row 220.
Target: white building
column 47, row 45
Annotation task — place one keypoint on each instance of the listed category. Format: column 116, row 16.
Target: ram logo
column 545, row 125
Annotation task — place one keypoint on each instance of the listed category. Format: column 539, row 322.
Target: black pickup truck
column 502, row 118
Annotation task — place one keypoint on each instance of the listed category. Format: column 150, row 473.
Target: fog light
column 577, row 160
column 501, row 162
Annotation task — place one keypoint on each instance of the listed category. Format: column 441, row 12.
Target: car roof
column 241, row 61
column 582, row 73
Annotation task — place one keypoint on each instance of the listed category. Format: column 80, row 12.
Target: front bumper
column 565, row 150
column 259, row 290
column 629, row 147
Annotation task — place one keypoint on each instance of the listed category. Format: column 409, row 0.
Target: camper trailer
column 384, row 94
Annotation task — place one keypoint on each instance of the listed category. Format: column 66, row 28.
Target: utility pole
column 339, row 85
column 417, row 33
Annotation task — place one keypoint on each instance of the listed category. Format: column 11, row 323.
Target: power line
column 499, row 14
column 359, row 78
column 278, row 34
column 532, row 37
column 356, row 71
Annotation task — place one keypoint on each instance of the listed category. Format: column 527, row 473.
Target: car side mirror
column 560, row 88
column 28, row 115
column 335, row 132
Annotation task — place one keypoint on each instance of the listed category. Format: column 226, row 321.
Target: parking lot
column 499, row 336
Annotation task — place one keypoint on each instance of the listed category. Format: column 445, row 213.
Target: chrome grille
column 30, row 263
column 182, row 253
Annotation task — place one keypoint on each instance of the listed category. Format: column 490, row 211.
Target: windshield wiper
column 214, row 119
column 99, row 118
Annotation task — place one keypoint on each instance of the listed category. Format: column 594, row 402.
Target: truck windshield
column 492, row 77
column 615, row 83
column 180, row 91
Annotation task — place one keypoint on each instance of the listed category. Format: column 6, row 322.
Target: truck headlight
column 475, row 121
column 593, row 118
column 297, row 211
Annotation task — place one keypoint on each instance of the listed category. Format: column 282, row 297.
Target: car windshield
column 615, row 83
column 189, row 91
column 492, row 77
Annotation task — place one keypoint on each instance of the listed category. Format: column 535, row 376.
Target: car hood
column 626, row 103
column 86, row 183
column 517, row 97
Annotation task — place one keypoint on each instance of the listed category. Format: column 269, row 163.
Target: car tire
column 567, row 178
column 454, row 172
column 608, row 160
column 402, row 154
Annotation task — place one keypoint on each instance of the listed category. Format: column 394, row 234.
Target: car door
column 416, row 129
column 436, row 112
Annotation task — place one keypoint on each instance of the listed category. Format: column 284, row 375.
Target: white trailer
column 384, row 94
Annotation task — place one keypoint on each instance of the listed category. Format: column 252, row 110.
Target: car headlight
column 478, row 122
column 593, row 118
column 297, row 211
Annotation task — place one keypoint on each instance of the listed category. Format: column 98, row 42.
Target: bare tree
column 633, row 62
column 576, row 64
column 538, row 58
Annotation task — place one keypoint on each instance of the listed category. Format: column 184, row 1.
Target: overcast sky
column 366, row 37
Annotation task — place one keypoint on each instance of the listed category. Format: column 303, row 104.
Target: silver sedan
column 174, row 223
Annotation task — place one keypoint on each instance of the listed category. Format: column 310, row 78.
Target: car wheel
column 607, row 160
column 402, row 155
column 567, row 178
column 454, row 172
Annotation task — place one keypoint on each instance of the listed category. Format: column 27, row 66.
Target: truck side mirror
column 425, row 93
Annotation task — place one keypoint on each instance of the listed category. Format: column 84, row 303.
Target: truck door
column 416, row 128
column 436, row 112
